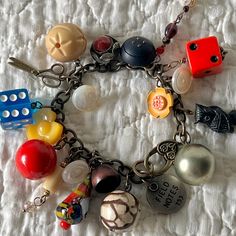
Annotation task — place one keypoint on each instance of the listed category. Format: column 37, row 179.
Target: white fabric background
column 121, row 127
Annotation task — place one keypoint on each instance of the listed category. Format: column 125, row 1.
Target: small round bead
column 166, row 40
column 186, row 8
column 171, row 30
column 64, row 225
column 160, row 50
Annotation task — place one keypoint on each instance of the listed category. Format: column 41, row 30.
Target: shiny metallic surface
column 105, row 179
column 166, row 194
column 194, row 164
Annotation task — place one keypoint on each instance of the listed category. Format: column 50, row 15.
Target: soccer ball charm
column 119, row 211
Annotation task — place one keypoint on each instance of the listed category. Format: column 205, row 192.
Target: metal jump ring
column 169, row 160
column 142, row 173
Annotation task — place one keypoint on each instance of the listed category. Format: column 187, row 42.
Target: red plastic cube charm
column 204, row 57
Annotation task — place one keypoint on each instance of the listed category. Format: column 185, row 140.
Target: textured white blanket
column 121, row 127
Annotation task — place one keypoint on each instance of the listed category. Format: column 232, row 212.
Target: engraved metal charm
column 166, row 194
column 167, row 150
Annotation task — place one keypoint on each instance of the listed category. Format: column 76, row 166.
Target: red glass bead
column 160, row 50
column 36, row 159
column 64, row 225
column 204, row 57
column 102, row 44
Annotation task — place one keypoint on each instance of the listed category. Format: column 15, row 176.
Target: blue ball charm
column 138, row 51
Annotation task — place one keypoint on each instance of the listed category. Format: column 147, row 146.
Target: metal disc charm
column 166, row 194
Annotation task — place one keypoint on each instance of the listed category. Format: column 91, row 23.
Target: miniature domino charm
column 15, row 109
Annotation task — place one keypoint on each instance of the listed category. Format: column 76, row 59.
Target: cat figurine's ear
column 199, row 113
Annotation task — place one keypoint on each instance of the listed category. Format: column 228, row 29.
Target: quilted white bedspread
column 121, row 127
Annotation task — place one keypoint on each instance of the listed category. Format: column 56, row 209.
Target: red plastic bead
column 160, row 50
column 102, row 44
column 204, row 57
column 65, row 225
column 36, row 159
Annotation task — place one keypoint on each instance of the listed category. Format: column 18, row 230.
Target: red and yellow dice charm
column 204, row 57
column 159, row 102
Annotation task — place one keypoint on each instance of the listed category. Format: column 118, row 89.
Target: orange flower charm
column 159, row 102
column 46, row 128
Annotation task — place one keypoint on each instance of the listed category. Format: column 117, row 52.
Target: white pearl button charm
column 85, row 98
column 75, row 172
column 182, row 80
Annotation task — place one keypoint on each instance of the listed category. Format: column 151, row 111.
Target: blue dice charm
column 138, row 51
column 15, row 109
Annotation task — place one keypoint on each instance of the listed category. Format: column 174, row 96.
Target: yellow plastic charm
column 44, row 114
column 159, row 102
column 46, row 128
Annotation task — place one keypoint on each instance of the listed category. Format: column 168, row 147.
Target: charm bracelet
column 47, row 133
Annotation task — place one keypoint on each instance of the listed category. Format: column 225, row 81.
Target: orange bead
column 159, row 102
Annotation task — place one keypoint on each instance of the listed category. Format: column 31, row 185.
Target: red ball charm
column 36, row 159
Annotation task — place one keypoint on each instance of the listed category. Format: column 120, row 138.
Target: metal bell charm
column 105, row 179
column 75, row 207
column 119, row 211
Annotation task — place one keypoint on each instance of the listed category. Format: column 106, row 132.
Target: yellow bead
column 50, row 132
column 159, row 102
column 44, row 114
column 52, row 181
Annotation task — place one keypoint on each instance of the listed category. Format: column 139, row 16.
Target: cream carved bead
column 65, row 42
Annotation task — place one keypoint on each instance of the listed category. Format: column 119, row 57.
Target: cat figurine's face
column 204, row 114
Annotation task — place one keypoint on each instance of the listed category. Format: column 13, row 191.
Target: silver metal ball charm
column 119, row 211
column 194, row 164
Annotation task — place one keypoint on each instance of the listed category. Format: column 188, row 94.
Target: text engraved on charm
column 166, row 194
column 168, row 149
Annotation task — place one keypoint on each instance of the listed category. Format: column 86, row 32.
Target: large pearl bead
column 194, row 164
column 119, row 211
column 85, row 98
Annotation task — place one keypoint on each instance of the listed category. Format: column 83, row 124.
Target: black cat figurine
column 215, row 118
